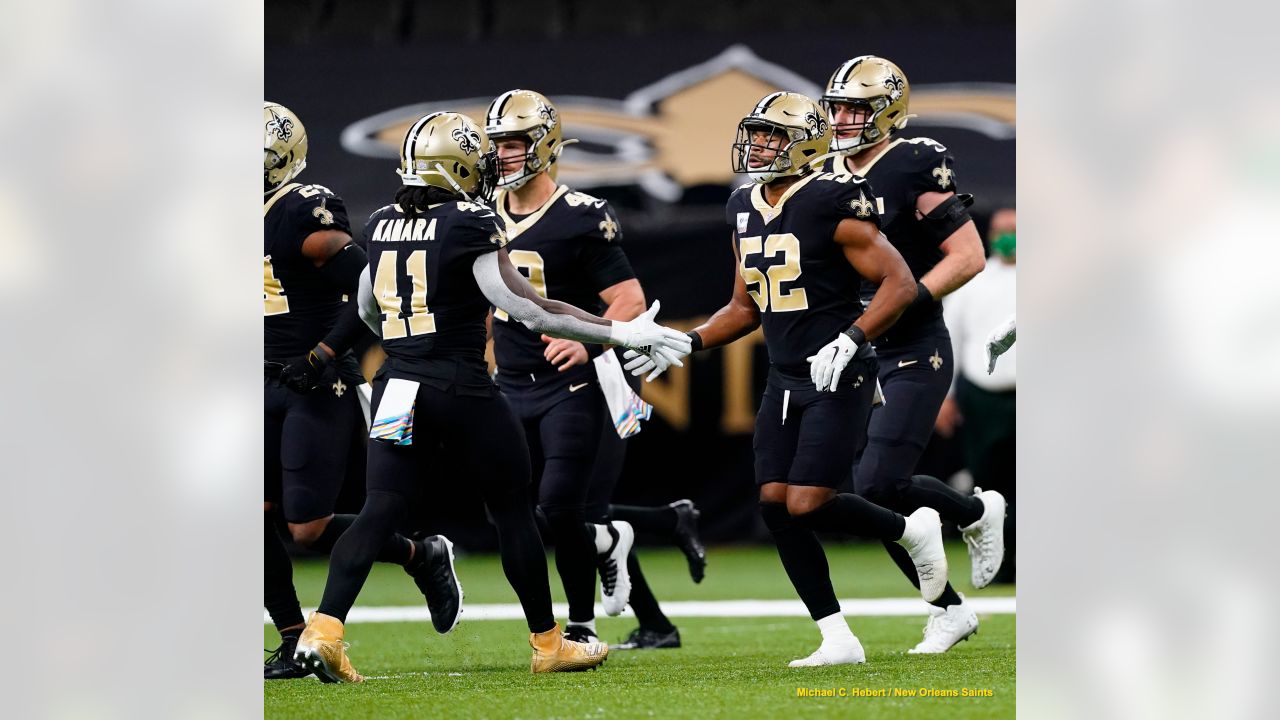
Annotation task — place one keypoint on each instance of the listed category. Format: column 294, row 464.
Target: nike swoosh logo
column 576, row 388
column 904, row 363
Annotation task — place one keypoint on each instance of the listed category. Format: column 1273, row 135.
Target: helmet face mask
column 449, row 151
column 874, row 86
column 284, row 146
column 781, row 136
column 528, row 116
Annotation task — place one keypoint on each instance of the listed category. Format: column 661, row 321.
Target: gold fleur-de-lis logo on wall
column 608, row 227
column 943, row 173
column 862, row 207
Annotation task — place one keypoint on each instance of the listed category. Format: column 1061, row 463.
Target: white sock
column 589, row 624
column 603, row 539
column 835, row 629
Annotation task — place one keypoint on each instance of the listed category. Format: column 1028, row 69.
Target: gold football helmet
column 530, row 116
column 875, row 85
column 790, row 117
column 449, row 151
column 284, row 146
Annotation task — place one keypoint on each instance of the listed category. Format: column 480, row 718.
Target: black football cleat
column 687, row 537
column 580, row 634
column 280, row 664
column 644, row 639
column 439, row 583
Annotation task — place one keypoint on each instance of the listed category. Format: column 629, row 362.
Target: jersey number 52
column 397, row 322
column 765, row 286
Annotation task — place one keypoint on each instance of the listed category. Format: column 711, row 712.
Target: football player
column 309, row 263
column 923, row 217
column 804, row 241
column 568, row 244
column 437, row 263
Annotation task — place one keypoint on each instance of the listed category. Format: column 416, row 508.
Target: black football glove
column 303, row 374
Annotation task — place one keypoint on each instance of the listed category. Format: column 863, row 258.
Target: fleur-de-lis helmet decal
column 877, row 88
column 284, row 146
column 528, row 116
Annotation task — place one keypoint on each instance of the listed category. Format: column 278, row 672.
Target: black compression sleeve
column 344, row 268
column 347, row 331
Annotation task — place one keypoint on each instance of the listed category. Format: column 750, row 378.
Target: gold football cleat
column 322, row 650
column 553, row 653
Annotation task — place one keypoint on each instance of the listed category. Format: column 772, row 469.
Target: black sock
column 279, row 597
column 575, row 561
column 643, row 602
column 902, row 559
column 524, row 560
column 396, row 549
column 855, row 515
column 953, row 506
column 358, row 548
column 654, row 520
column 804, row 560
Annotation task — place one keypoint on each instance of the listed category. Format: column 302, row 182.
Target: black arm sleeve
column 344, row 268
column 347, row 331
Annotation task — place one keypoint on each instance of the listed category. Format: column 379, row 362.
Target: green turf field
column 727, row 667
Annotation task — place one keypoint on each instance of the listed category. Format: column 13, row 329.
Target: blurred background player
column 914, row 181
column 436, row 265
column 804, row 242
column 568, row 244
column 985, row 396
column 309, row 266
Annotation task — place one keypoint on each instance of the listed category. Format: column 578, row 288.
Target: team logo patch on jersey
column 943, row 173
column 862, row 207
column 339, row 387
column 936, row 360
column 280, row 126
column 608, row 227
column 742, row 221
column 323, row 215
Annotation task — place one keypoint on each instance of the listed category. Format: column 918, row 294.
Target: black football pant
column 808, row 438
column 915, row 379
column 563, row 415
column 990, row 450
column 608, row 469
column 480, row 427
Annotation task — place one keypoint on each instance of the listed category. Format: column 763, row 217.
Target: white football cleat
column 946, row 628
column 832, row 653
column 922, row 537
column 615, row 583
column 985, row 538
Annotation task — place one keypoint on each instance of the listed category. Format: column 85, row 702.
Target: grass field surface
column 728, row 667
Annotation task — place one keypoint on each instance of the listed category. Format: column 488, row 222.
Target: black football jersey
column 569, row 249
column 905, row 170
column 300, row 305
column 421, row 271
column 799, row 277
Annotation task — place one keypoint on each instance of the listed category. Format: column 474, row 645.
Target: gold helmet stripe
column 499, row 106
column 411, row 139
column 847, row 70
column 764, row 104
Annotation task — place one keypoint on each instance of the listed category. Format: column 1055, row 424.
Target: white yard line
column 864, row 607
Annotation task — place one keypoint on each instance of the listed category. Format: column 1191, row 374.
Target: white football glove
column 826, row 365
column 1000, row 340
column 664, row 345
column 638, row 363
